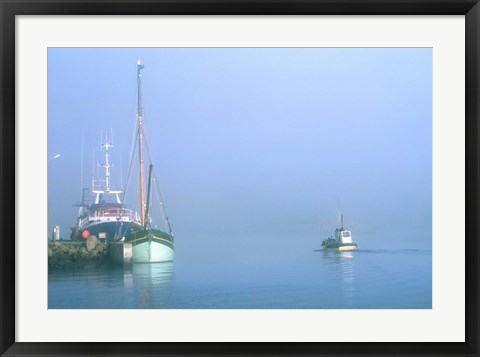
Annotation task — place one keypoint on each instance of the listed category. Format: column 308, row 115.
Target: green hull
column 151, row 246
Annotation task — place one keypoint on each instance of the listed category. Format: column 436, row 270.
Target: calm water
column 261, row 276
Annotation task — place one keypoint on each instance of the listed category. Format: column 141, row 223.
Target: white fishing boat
column 342, row 239
column 102, row 213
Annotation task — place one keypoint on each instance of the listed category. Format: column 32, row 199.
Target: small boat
column 149, row 245
column 342, row 240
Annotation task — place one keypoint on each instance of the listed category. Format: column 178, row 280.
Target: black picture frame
column 10, row 8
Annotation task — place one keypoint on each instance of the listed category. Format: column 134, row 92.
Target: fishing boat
column 342, row 239
column 105, row 215
column 149, row 245
column 102, row 213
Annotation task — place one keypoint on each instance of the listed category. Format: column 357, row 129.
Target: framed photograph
column 318, row 163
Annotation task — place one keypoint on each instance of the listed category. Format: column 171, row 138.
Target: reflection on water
column 361, row 279
column 154, row 273
column 153, row 280
column 342, row 266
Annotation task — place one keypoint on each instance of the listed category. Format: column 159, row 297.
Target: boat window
column 346, row 234
column 114, row 211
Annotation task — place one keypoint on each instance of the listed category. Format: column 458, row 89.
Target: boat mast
column 140, row 142
column 147, row 220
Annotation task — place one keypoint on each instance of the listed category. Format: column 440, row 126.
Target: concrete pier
column 80, row 254
column 120, row 252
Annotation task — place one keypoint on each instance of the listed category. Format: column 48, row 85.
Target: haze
column 259, row 145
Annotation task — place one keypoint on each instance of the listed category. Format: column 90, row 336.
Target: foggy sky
column 267, row 142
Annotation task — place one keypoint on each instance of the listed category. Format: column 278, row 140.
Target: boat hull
column 106, row 231
column 151, row 246
column 341, row 246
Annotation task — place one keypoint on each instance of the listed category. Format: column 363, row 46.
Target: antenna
column 339, row 215
column 106, row 165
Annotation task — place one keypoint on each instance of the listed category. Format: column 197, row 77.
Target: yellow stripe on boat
column 154, row 237
column 165, row 240
column 348, row 247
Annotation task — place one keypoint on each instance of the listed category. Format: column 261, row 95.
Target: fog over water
column 254, row 148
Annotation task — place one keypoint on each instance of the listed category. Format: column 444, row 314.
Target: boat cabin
column 343, row 236
column 346, row 237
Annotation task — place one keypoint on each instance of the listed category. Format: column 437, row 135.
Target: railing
column 120, row 214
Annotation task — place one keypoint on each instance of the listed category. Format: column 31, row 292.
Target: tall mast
column 140, row 141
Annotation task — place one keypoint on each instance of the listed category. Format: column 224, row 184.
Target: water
column 255, row 274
